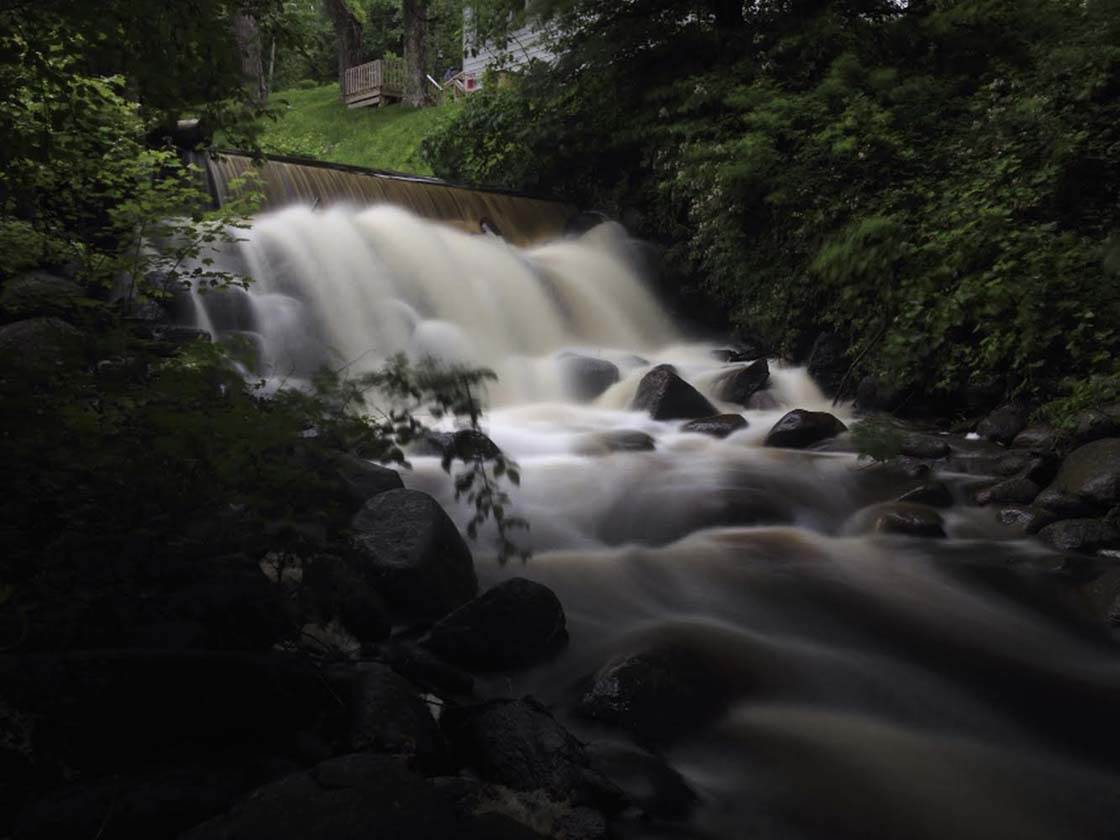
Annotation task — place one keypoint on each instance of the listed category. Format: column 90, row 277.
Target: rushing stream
column 870, row 685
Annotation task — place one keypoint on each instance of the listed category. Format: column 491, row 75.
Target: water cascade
column 867, row 686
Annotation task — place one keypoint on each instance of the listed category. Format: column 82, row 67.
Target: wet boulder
column 899, row 518
column 1038, row 439
column 463, row 445
column 517, row 743
column 742, row 384
column 720, row 426
column 423, row 668
column 515, row 624
column 1013, row 490
column 1003, row 424
column 668, row 397
column 829, row 363
column 382, row 712
column 621, row 440
column 657, row 695
column 1028, row 518
column 1093, row 425
column 933, row 493
column 926, row 447
column 408, row 548
column 800, row 428
column 354, row 797
column 587, row 378
column 1088, row 479
column 1084, row 535
column 40, row 345
column 361, row 479
column 39, row 294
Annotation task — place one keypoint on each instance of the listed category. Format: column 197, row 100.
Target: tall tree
column 348, row 34
column 248, row 36
column 415, row 51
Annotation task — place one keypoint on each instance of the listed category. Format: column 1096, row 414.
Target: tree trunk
column 248, row 36
column 415, row 52
column 347, row 35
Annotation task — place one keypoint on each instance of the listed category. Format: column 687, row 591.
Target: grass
column 316, row 124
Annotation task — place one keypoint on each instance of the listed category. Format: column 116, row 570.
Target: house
column 529, row 43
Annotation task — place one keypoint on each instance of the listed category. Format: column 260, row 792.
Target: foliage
column 314, row 124
column 934, row 182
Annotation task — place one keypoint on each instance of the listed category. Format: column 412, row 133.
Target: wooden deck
column 376, row 83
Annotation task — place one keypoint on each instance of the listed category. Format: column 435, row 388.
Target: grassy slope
column 317, row 124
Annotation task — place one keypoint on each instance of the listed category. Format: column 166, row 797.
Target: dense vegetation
column 938, row 183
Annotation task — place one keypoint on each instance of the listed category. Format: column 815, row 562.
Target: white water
column 882, row 687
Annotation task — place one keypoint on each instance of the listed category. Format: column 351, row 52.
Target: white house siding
column 525, row 45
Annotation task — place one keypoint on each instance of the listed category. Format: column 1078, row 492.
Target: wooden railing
column 374, row 80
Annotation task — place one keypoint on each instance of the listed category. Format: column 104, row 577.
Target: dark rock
column 1064, row 504
column 719, row 426
column 829, row 364
column 362, row 479
column 1028, row 518
column 423, row 668
column 464, row 445
column 515, row 624
column 1088, row 479
column 934, row 494
column 412, row 553
column 763, row 401
column 657, row 695
column 355, row 797
column 668, row 397
column 489, row 825
column 801, row 428
column 580, row 824
column 334, row 588
column 229, row 309
column 1003, row 424
column 39, row 295
column 1038, row 439
column 623, row 440
column 645, row 779
column 517, row 743
column 1013, row 491
column 924, row 446
column 1093, row 425
column 384, row 713
column 740, row 385
column 906, row 519
column 1042, row 468
column 40, row 345
column 586, row 377
column 729, row 355
column 872, row 394
column 1085, row 535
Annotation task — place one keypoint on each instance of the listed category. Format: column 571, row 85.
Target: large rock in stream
column 668, row 397
column 1088, row 481
column 802, row 428
column 587, row 378
column 740, row 385
column 513, row 625
column 412, row 553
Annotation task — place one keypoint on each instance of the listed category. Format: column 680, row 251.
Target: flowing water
column 871, row 686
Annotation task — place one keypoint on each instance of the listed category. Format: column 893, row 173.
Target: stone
column 39, row 294
column 1038, row 439
column 1088, row 480
column 515, row 624
column 423, row 668
column 740, row 385
column 408, row 548
column 905, row 519
column 1093, row 425
column 933, row 493
column 720, row 426
column 657, row 695
column 621, row 440
column 1028, row 518
column 354, row 797
column 40, row 345
column 361, row 479
column 384, row 713
column 517, row 743
column 1003, row 424
column 463, row 445
column 828, row 363
column 800, row 428
column 1013, row 490
column 1084, row 535
column 645, row 779
column 924, row 446
column 668, row 397
column 587, row 378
